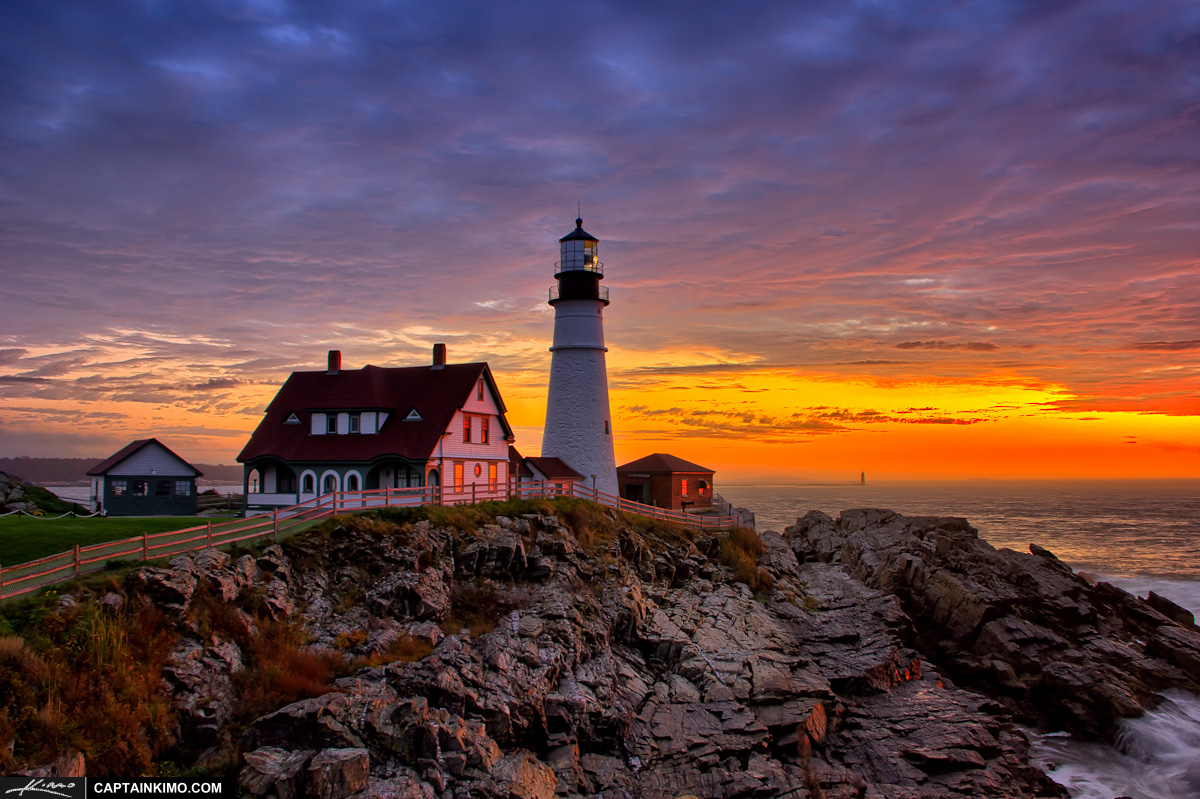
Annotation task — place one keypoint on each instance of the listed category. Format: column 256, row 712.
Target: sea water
column 1142, row 535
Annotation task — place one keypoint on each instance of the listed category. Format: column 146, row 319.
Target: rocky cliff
column 569, row 653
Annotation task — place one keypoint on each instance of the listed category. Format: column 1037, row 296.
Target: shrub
column 279, row 671
column 739, row 550
column 406, row 648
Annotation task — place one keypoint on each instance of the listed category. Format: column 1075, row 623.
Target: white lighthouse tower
column 578, row 423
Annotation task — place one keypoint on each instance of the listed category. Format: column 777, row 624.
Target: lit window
column 458, row 476
column 183, row 488
column 354, row 423
column 478, row 470
column 492, row 475
column 466, row 429
column 119, row 487
column 483, row 432
column 683, row 490
column 479, row 390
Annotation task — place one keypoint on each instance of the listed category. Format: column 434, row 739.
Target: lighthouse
column 578, row 427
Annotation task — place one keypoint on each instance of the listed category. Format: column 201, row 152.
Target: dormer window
column 355, row 423
column 479, row 390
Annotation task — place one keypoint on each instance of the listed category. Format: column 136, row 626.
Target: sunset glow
column 929, row 244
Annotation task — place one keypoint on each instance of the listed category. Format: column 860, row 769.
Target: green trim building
column 145, row 478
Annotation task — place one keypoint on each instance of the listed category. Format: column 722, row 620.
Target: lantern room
column 579, row 272
column 580, row 252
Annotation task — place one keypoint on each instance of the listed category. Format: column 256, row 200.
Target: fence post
column 1, row 581
column 145, row 546
column 275, row 524
column 472, row 493
column 77, row 560
column 208, row 534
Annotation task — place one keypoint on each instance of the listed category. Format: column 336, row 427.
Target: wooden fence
column 26, row 577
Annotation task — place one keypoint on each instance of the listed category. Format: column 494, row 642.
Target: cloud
column 974, row 346
column 1168, row 346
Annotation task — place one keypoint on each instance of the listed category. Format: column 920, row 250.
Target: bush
column 739, row 550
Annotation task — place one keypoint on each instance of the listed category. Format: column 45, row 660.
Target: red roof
column 516, row 463
column 554, row 468
column 660, row 462
column 130, row 448
column 435, row 394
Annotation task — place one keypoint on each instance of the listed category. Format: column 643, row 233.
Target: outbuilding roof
column 129, row 449
column 435, row 393
column 554, row 468
column 660, row 463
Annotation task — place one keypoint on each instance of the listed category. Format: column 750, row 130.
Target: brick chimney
column 439, row 356
column 335, row 362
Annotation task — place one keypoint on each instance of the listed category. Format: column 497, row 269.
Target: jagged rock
column 273, row 770
column 201, row 678
column 523, row 776
column 172, row 589
column 645, row 669
column 338, row 773
column 1023, row 627
column 1172, row 611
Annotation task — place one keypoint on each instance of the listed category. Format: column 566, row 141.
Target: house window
column 352, row 481
column 140, row 488
column 310, row 484
column 458, row 476
column 479, row 391
column 329, row 484
column 119, row 488
column 483, row 433
column 162, row 488
column 700, row 486
column 683, row 489
column 605, row 427
column 183, row 488
column 478, row 470
column 466, row 429
column 355, row 420
column 331, row 423
column 492, row 475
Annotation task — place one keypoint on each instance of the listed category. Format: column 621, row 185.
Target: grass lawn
column 23, row 539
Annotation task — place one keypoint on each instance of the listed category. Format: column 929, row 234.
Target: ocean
column 1142, row 535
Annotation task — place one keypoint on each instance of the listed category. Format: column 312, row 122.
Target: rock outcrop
column 1055, row 650
column 890, row 657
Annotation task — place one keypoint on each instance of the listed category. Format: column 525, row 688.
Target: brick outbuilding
column 666, row 482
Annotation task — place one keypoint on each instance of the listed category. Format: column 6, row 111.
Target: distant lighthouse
column 578, row 423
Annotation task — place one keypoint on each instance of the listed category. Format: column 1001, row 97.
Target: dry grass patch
column 739, row 550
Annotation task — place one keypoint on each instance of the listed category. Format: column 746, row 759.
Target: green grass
column 23, row 539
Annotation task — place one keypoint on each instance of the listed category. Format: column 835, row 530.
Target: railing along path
column 26, row 577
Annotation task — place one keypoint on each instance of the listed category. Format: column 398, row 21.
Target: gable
column 153, row 458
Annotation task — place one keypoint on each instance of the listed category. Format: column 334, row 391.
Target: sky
column 924, row 240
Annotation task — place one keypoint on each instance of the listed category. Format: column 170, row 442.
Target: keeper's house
column 145, row 478
column 666, row 481
column 379, row 427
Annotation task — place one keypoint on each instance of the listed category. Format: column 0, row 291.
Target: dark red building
column 666, row 481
